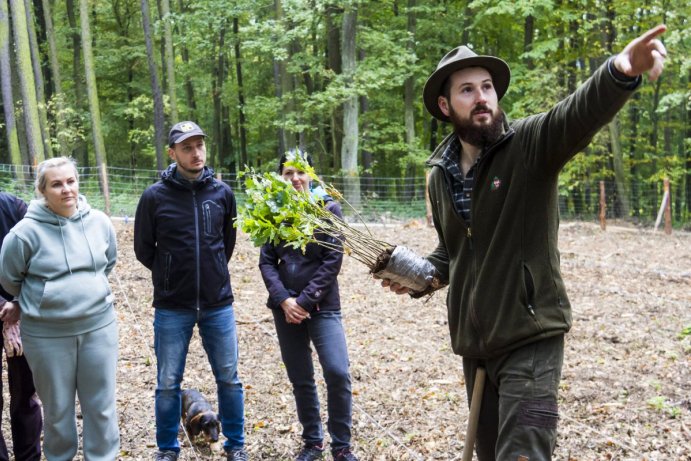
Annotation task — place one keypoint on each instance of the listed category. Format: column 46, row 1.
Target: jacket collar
column 169, row 175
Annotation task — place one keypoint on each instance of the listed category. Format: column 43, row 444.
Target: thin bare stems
column 355, row 243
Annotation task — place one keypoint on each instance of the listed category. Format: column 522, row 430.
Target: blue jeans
column 172, row 333
column 325, row 330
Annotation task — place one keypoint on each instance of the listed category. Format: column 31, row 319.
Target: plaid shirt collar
column 451, row 157
column 461, row 186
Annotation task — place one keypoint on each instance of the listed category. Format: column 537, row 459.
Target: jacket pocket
column 74, row 296
column 529, row 288
column 168, row 262
column 213, row 218
column 222, row 264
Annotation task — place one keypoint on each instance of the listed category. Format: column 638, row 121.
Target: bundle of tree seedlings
column 275, row 212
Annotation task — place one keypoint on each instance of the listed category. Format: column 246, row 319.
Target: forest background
column 103, row 80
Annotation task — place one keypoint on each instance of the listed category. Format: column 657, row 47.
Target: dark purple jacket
column 309, row 277
column 12, row 210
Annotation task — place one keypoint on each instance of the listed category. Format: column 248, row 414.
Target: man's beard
column 478, row 135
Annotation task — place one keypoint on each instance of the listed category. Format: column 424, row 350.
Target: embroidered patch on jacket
column 496, row 184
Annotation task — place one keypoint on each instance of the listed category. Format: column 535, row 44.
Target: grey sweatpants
column 82, row 365
column 519, row 413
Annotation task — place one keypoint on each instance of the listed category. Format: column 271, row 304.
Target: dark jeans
column 325, row 330
column 25, row 412
column 519, row 414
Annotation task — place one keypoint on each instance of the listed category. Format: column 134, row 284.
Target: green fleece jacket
column 505, row 284
column 58, row 269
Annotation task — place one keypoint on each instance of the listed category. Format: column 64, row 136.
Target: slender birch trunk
column 349, row 150
column 6, row 84
column 27, row 85
column 94, row 108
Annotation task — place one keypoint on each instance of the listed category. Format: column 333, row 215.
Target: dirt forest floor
column 625, row 392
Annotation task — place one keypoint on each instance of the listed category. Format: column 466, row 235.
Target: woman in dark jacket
column 304, row 299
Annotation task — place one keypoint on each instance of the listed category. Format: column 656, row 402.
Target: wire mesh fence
column 382, row 198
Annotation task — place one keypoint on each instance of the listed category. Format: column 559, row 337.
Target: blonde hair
column 40, row 183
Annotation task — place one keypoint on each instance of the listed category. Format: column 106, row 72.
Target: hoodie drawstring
column 88, row 244
column 64, row 244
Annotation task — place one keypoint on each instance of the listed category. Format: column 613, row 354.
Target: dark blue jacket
column 311, row 277
column 12, row 210
column 183, row 232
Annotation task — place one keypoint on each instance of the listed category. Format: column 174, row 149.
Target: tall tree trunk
column 333, row 52
column 20, row 119
column 220, row 74
column 241, row 95
column 280, row 133
column 367, row 180
column 307, row 136
column 80, row 151
column 467, row 22
column 654, row 126
column 159, row 116
column 633, row 148
column 189, row 89
column 409, row 101
column 367, row 158
column 285, row 82
column 38, row 24
column 124, row 15
column 38, row 80
column 57, row 79
column 528, row 37
column 618, row 163
column 686, row 119
column 226, row 154
column 349, row 151
column 131, row 121
column 669, row 147
column 92, row 94
column 6, row 84
column 622, row 207
column 169, row 59
column 27, row 84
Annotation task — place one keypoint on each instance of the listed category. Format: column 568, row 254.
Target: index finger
column 653, row 33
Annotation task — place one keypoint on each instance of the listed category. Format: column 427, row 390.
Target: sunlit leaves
column 274, row 211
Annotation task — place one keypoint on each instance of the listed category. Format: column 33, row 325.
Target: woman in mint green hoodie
column 56, row 261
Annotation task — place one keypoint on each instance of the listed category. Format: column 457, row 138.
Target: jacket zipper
column 469, row 235
column 196, row 249
column 473, row 313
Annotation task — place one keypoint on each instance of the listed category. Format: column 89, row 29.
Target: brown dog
column 199, row 417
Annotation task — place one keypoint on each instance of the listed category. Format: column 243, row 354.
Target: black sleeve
column 268, row 266
column 229, row 230
column 145, row 229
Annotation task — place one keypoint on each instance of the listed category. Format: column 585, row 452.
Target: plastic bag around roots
column 405, row 268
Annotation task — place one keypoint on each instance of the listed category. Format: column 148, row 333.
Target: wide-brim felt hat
column 457, row 59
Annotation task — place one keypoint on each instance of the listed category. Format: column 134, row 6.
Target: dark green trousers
column 518, row 416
